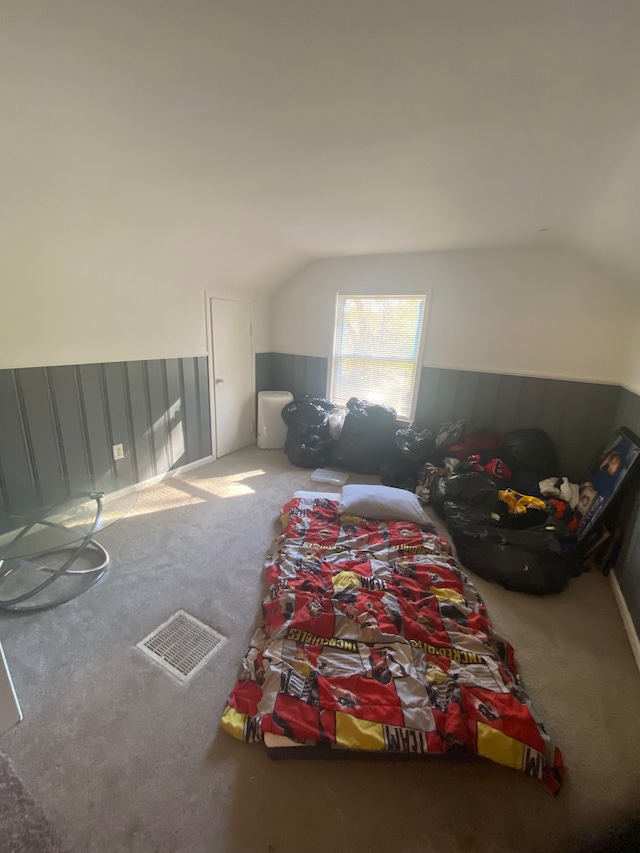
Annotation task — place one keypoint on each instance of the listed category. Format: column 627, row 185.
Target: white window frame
column 421, row 347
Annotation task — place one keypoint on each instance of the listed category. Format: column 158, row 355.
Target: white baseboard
column 627, row 621
column 173, row 472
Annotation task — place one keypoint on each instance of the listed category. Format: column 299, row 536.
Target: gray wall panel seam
column 130, row 426
column 104, row 393
column 3, row 490
column 165, row 405
column 26, row 434
column 198, row 407
column 147, row 402
column 183, row 411
column 207, row 445
column 86, row 440
column 62, row 456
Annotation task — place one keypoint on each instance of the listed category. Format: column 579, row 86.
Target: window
column 376, row 350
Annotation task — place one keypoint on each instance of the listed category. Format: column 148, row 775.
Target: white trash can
column 272, row 430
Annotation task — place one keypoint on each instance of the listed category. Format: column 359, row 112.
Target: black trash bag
column 399, row 473
column 476, row 489
column 307, row 449
column 532, row 561
column 415, row 444
column 518, row 520
column 413, row 447
column 376, row 411
column 438, row 494
column 450, row 433
column 367, row 438
column 531, row 456
column 306, row 413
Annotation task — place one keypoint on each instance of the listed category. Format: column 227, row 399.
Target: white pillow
column 382, row 503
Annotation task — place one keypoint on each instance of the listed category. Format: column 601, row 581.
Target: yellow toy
column 519, row 504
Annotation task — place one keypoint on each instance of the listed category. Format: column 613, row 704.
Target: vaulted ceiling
column 233, row 139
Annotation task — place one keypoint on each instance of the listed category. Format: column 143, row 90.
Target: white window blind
column 376, row 350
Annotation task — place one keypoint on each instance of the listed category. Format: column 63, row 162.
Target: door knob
column 218, row 381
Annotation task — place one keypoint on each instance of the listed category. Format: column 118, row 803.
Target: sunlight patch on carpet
column 230, row 486
column 162, row 497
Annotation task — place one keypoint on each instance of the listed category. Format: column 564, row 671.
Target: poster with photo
column 605, row 478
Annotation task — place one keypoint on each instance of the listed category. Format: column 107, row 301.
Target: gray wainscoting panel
column 628, row 411
column 159, row 416
column 117, row 418
column 175, row 413
column 579, row 416
column 42, row 445
column 202, row 405
column 72, row 439
column 264, row 361
column 190, row 405
column 628, row 567
column 139, row 420
column 94, row 413
column 15, row 463
column 300, row 374
column 59, row 423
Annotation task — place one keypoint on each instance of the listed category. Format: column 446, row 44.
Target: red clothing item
column 479, row 442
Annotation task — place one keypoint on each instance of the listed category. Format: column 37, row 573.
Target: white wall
column 44, row 326
column 99, row 322
column 532, row 311
column 150, row 152
column 261, row 323
column 631, row 377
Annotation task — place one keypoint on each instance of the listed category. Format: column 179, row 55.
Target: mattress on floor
column 374, row 640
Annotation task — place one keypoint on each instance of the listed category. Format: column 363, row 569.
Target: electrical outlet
column 118, row 451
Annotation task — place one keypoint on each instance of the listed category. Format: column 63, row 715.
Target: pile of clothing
column 520, row 461
column 512, row 519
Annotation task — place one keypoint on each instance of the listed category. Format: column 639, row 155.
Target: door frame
column 229, row 297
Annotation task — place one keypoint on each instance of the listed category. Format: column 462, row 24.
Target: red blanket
column 373, row 639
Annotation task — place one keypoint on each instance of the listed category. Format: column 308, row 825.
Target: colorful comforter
column 373, row 639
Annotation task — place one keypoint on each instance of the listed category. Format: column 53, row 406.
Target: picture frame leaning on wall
column 607, row 475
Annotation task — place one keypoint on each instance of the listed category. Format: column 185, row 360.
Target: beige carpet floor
column 122, row 758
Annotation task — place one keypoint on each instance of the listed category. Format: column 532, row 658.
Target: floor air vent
column 182, row 645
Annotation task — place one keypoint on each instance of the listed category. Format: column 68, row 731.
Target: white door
column 234, row 402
